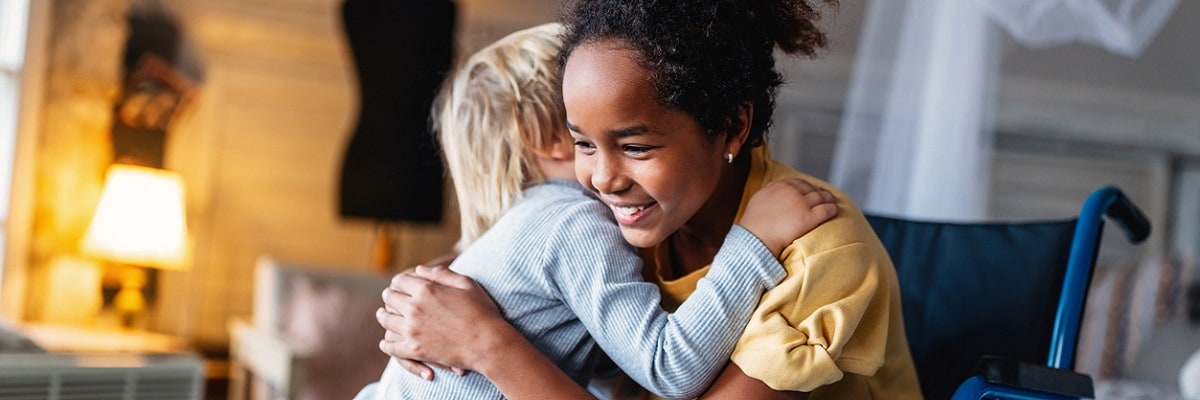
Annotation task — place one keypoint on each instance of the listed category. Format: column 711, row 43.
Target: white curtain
column 1120, row 26
column 916, row 132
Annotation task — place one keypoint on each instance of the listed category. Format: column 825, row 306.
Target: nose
column 607, row 174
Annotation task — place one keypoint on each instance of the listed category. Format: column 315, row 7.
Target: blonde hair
column 500, row 106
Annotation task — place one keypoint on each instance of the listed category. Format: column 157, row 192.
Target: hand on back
column 418, row 326
column 785, row 210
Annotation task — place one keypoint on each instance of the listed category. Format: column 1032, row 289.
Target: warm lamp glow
column 140, row 219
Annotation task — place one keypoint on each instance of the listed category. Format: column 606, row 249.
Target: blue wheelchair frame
column 1057, row 380
column 942, row 265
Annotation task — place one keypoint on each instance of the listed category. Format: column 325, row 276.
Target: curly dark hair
column 706, row 57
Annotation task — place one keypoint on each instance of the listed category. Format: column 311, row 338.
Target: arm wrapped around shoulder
column 830, row 316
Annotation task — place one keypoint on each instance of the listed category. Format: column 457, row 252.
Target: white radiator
column 56, row 376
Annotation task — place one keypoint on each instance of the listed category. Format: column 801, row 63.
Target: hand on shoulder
column 787, row 209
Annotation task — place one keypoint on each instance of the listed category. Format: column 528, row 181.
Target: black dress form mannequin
column 402, row 50
column 392, row 170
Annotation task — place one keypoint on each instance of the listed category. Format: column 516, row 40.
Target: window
column 13, row 17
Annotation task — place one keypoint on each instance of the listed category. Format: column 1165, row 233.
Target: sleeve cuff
column 755, row 254
column 795, row 365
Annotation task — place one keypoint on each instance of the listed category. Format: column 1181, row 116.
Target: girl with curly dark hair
column 669, row 102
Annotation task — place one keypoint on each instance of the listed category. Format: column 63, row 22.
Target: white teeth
column 628, row 211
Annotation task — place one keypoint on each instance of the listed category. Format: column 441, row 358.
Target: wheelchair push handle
column 1126, row 214
column 1109, row 201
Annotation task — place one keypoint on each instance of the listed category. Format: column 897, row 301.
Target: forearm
column 735, row 385
column 521, row 371
column 678, row 354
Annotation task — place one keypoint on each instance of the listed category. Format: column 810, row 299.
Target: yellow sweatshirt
column 833, row 327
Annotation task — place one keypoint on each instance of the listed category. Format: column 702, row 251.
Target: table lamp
column 138, row 223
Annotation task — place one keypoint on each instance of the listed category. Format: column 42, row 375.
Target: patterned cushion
column 1126, row 305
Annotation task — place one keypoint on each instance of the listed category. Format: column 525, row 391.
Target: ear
column 561, row 149
column 739, row 129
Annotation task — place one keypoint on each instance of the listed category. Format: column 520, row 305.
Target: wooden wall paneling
column 805, row 138
column 276, row 108
column 1037, row 179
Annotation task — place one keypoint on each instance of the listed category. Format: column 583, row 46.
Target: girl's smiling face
column 651, row 164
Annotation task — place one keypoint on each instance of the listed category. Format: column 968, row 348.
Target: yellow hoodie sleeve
column 828, row 317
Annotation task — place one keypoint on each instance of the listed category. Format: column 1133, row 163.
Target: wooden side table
column 78, row 339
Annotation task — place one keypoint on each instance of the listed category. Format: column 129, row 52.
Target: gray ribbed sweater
column 558, row 267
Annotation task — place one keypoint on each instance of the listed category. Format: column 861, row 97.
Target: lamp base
column 129, row 302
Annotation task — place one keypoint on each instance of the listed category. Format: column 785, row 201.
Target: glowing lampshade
column 140, row 219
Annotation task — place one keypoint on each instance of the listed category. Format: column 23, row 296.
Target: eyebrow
column 620, row 133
